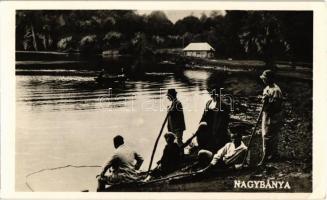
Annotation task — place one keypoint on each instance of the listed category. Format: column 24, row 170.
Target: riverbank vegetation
column 262, row 35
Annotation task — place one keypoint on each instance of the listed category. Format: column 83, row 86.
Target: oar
column 185, row 144
column 157, row 140
column 172, row 177
column 253, row 132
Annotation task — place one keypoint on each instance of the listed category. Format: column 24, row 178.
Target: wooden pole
column 253, row 132
column 157, row 140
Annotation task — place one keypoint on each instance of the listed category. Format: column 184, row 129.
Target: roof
column 199, row 46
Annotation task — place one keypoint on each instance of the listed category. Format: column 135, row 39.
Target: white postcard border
column 8, row 102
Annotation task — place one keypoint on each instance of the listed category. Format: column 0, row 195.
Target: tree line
column 265, row 35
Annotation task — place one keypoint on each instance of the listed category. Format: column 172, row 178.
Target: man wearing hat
column 271, row 116
column 176, row 122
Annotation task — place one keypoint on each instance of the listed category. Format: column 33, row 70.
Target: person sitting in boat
column 202, row 136
column 123, row 165
column 170, row 159
column 217, row 117
column 231, row 155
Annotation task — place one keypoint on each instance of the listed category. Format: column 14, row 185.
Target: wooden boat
column 186, row 178
column 184, row 181
column 109, row 79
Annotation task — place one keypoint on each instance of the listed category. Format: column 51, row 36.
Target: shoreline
column 296, row 75
column 35, row 68
column 30, row 60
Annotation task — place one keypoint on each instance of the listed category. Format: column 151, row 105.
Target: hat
column 170, row 135
column 267, row 74
column 171, row 92
column 236, row 135
column 240, row 128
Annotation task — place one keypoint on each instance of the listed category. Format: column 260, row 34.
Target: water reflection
column 65, row 91
column 72, row 119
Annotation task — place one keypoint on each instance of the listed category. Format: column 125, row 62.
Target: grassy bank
column 301, row 71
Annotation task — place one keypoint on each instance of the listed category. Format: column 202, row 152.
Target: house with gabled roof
column 199, row 49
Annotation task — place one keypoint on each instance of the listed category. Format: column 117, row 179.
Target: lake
column 71, row 120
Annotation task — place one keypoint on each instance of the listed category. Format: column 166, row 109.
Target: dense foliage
column 266, row 35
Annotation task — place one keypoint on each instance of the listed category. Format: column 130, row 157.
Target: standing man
column 123, row 165
column 271, row 117
column 176, row 122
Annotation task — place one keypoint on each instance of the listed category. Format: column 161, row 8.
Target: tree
column 89, row 45
column 112, row 40
column 266, row 35
column 129, row 23
column 159, row 24
column 233, row 23
column 29, row 25
column 37, row 30
column 188, row 24
column 65, row 44
column 158, row 41
column 298, row 31
column 262, row 36
column 203, row 18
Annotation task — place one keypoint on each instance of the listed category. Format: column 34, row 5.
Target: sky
column 174, row 15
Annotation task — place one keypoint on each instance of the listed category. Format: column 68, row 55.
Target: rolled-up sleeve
column 215, row 159
column 221, row 152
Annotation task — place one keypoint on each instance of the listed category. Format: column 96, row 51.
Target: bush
column 65, row 44
column 89, row 45
column 112, row 40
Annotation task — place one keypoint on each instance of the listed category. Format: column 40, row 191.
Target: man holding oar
column 176, row 122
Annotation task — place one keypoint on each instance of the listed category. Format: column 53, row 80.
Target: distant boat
column 166, row 64
column 109, row 79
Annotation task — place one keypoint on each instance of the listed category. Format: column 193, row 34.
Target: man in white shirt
column 231, row 155
column 123, row 165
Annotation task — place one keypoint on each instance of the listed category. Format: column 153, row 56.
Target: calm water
column 64, row 120
column 71, row 120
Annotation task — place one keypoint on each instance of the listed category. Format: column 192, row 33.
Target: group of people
column 220, row 146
